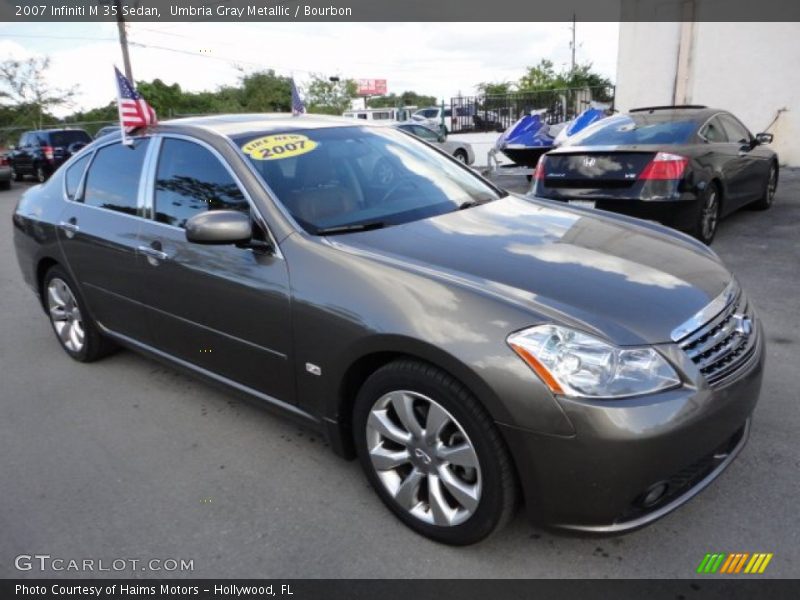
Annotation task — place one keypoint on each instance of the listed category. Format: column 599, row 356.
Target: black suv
column 41, row 152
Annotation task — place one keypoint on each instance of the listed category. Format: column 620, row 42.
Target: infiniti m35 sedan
column 471, row 347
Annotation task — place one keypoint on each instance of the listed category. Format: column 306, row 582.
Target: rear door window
column 713, row 132
column 72, row 178
column 113, row 179
column 191, row 180
column 737, row 133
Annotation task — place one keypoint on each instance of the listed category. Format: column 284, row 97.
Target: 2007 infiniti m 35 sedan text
column 471, row 347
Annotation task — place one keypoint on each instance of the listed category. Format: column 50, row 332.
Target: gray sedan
column 471, row 347
column 462, row 151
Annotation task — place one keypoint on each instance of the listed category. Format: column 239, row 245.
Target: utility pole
column 572, row 45
column 123, row 40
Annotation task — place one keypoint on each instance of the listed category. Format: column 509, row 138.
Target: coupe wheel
column 708, row 220
column 74, row 328
column 433, row 454
column 770, row 188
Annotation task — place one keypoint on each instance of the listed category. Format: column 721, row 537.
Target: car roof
column 678, row 113
column 237, row 124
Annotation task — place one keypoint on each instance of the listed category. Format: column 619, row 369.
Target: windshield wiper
column 473, row 203
column 350, row 228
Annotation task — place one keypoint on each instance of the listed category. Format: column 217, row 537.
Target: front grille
column 723, row 344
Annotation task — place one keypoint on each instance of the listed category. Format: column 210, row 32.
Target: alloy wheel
column 424, row 458
column 65, row 315
column 710, row 216
column 772, row 185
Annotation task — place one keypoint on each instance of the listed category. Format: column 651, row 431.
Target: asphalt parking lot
column 127, row 458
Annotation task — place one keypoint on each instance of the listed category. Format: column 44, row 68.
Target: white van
column 380, row 114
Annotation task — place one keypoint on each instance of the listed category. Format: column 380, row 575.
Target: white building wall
column 750, row 69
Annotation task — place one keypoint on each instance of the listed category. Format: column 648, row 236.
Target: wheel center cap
column 423, row 456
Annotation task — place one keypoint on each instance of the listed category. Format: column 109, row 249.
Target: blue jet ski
column 526, row 140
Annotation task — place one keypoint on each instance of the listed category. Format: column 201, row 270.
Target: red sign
column 371, row 87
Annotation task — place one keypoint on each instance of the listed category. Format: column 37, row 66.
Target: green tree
column 329, row 97
column 264, row 91
column 496, row 88
column 407, row 98
column 24, row 86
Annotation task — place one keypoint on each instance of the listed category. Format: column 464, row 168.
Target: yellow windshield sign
column 275, row 147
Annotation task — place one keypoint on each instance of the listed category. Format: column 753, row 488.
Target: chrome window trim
column 69, row 165
column 254, row 211
column 705, row 314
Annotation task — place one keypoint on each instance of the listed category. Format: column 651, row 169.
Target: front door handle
column 151, row 252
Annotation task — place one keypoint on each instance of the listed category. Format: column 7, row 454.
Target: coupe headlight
column 576, row 364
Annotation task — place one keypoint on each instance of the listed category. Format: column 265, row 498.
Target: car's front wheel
column 708, row 219
column 74, row 328
column 41, row 174
column 770, row 188
column 460, row 156
column 433, row 454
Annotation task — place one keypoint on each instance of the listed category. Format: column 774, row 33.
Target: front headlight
column 576, row 364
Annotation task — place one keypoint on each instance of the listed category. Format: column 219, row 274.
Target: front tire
column 433, row 454
column 709, row 215
column 41, row 175
column 770, row 188
column 460, row 156
column 75, row 329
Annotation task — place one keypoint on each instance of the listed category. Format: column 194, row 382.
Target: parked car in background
column 105, row 131
column 683, row 166
column 460, row 150
column 465, row 343
column 6, row 173
column 380, row 114
column 42, row 151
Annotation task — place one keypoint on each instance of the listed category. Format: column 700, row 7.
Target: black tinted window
column 73, row 175
column 713, row 131
column 65, row 138
column 737, row 132
column 635, row 129
column 113, row 179
column 189, row 180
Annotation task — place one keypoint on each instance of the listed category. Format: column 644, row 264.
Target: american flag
column 298, row 106
column 134, row 111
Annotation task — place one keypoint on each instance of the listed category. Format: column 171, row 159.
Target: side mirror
column 764, row 138
column 219, row 227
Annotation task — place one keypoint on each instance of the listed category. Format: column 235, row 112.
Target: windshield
column 626, row 130
column 344, row 178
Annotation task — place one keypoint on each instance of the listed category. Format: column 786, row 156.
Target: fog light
column 654, row 494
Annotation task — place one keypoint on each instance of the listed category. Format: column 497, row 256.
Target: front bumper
column 596, row 480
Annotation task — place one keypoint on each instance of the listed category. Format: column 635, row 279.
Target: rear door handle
column 151, row 252
column 70, row 227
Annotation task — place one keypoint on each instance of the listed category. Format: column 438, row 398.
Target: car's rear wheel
column 74, row 328
column 770, row 188
column 708, row 219
column 432, row 453
column 5, row 184
column 460, row 156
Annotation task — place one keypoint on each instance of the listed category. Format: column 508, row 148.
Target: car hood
column 627, row 280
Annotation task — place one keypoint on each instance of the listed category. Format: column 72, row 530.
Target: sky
column 439, row 59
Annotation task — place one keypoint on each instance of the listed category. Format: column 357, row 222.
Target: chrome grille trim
column 705, row 314
column 725, row 342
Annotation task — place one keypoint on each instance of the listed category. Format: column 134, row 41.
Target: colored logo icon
column 734, row 563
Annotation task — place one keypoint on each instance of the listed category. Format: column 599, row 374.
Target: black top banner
column 398, row 10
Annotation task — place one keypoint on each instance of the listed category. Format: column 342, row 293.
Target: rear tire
column 75, row 329
column 438, row 461
column 460, row 156
column 709, row 215
column 770, row 188
column 5, row 185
